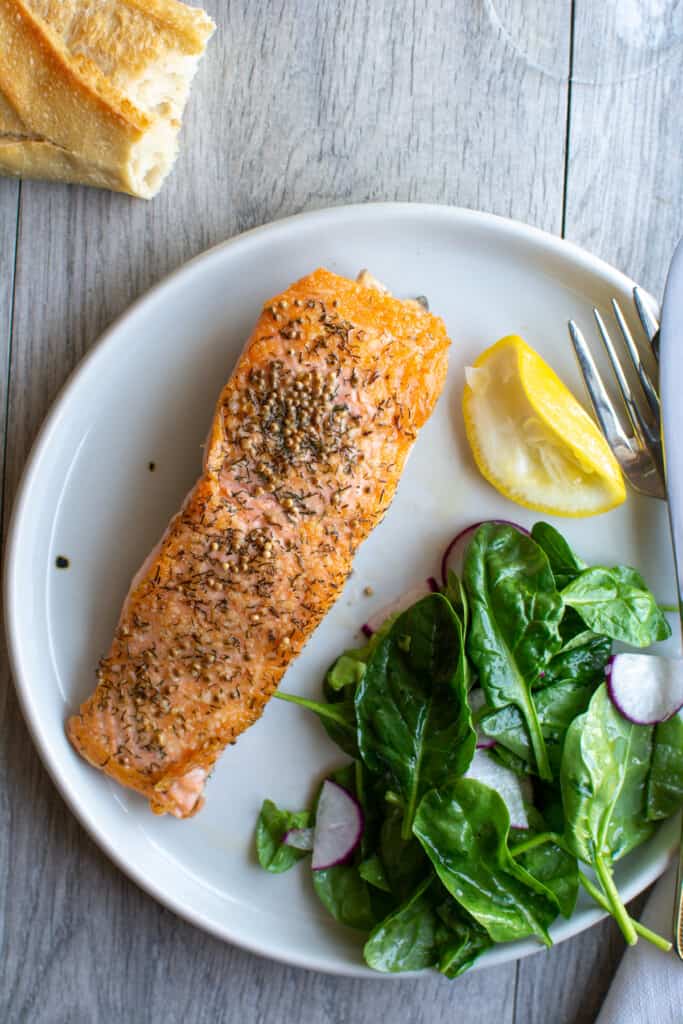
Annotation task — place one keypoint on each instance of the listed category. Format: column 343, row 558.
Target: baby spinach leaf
column 370, row 791
column 559, row 704
column 337, row 713
column 411, row 705
column 338, row 719
column 373, row 873
column 665, row 784
column 464, row 828
column 631, row 577
column 454, row 591
column 347, row 777
column 548, row 801
column 617, row 603
column 549, row 864
column 581, row 660
column 347, row 670
column 464, row 942
column 349, row 667
column 342, row 889
column 563, row 562
column 408, row 939
column 563, row 692
column 427, row 930
column 346, row 895
column 510, row 760
column 515, row 611
column 572, row 625
column 405, row 862
column 508, row 728
column 556, row 706
column 271, row 827
column 605, row 767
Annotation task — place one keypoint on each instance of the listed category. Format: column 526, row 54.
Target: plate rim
column 508, row 226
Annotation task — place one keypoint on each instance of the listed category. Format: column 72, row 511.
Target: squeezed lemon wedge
column 532, row 440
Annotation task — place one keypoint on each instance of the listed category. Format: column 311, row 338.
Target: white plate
column 146, row 394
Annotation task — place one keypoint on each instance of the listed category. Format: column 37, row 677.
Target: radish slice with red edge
column 378, row 618
column 512, row 788
column 484, row 742
column 338, row 826
column 645, row 688
column 453, row 555
column 299, row 838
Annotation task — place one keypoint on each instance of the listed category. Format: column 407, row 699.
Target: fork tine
column 602, row 404
column 640, row 427
column 648, row 321
column 643, row 376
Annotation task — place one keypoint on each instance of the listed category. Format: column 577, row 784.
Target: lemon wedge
column 532, row 440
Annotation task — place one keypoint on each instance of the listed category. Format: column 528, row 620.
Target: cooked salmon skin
column 307, row 445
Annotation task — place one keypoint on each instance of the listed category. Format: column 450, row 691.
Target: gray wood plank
column 9, row 213
column 624, row 194
column 121, row 957
column 298, row 105
column 624, row 202
column 568, row 983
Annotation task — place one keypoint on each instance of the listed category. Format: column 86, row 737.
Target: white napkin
column 648, row 986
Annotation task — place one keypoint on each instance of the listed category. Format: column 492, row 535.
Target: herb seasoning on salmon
column 306, row 449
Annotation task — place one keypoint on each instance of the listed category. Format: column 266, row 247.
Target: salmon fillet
column 305, row 451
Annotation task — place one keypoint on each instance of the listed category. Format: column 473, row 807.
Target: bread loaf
column 93, row 91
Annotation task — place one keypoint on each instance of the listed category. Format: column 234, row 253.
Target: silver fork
column 640, row 451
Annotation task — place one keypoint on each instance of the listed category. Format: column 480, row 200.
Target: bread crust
column 66, row 116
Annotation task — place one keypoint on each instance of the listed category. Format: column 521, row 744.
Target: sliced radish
column 484, row 742
column 338, row 826
column 513, row 789
column 378, row 618
column 299, row 838
column 645, row 688
column 453, row 555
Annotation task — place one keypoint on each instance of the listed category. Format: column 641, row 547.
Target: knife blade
column 670, row 387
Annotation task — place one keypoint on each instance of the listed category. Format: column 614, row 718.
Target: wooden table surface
column 556, row 119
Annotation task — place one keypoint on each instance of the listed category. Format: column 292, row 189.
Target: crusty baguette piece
column 307, row 446
column 93, row 91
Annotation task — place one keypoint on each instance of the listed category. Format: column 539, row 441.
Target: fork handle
column 671, row 378
column 678, row 903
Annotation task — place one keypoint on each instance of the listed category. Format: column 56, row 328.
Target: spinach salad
column 511, row 658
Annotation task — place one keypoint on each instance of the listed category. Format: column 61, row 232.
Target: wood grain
column 299, row 105
column 624, row 190
column 9, row 214
column 624, row 202
column 572, row 978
